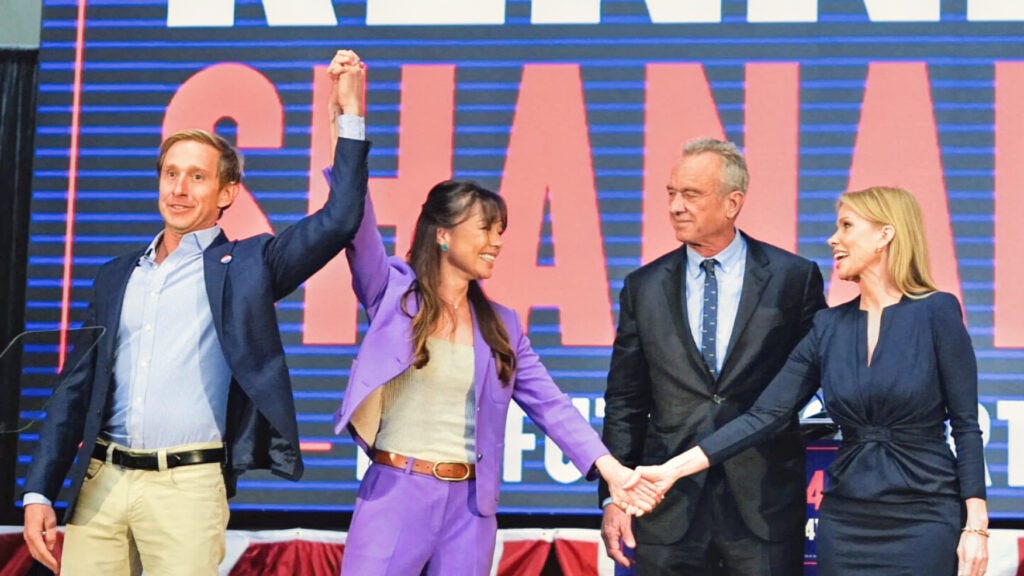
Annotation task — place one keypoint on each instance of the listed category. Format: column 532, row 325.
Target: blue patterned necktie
column 709, row 317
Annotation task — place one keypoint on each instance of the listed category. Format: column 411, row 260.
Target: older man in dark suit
column 702, row 330
column 188, row 387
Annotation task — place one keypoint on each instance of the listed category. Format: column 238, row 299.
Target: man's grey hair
column 734, row 168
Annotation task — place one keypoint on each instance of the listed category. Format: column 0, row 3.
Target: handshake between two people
column 641, row 490
column 638, row 491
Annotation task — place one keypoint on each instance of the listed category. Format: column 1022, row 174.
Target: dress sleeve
column 958, row 377
column 791, row 388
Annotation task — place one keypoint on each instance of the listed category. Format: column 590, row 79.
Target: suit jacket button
column 479, row 457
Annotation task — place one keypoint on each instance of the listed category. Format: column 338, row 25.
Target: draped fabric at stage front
column 577, row 552
column 290, row 557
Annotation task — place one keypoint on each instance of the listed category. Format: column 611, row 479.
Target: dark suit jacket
column 661, row 399
column 244, row 279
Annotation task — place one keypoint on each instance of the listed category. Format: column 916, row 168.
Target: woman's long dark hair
column 447, row 205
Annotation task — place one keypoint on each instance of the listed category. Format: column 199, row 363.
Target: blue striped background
column 134, row 64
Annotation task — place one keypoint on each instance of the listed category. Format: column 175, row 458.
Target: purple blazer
column 386, row 351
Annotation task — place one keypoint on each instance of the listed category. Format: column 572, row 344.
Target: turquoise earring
column 444, row 247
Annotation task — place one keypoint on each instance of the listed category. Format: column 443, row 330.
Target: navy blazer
column 244, row 278
column 661, row 400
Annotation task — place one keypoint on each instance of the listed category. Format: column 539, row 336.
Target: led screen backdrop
column 574, row 111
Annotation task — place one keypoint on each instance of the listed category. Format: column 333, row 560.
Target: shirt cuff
column 604, row 502
column 351, row 126
column 35, row 498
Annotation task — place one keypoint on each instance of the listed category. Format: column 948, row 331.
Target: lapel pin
column 225, row 259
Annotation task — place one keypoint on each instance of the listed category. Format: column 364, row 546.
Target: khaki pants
column 171, row 522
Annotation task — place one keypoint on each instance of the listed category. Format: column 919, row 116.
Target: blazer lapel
column 110, row 301
column 115, row 294
column 216, row 259
column 382, row 357
column 482, row 358
column 755, row 278
column 674, row 285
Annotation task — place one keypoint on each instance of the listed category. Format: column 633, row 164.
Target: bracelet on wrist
column 978, row 531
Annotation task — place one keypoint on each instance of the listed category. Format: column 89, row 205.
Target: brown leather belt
column 447, row 471
column 150, row 460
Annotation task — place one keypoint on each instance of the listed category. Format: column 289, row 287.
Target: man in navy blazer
column 188, row 387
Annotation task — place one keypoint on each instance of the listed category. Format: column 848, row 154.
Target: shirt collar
column 731, row 256
column 191, row 243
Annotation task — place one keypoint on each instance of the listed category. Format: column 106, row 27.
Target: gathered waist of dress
column 896, row 434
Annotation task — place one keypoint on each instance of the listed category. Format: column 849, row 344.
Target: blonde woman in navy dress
column 894, row 363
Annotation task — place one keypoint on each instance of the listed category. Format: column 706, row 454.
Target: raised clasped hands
column 348, row 77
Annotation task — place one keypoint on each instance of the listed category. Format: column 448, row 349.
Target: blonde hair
column 908, row 250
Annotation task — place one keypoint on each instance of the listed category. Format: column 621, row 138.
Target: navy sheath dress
column 893, row 496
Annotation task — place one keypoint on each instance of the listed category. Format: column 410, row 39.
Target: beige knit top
column 429, row 413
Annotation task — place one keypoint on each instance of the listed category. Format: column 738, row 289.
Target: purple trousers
column 405, row 522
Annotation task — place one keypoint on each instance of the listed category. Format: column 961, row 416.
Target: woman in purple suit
column 430, row 388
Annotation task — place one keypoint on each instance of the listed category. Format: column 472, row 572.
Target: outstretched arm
column 663, row 476
column 539, row 396
column 791, row 388
column 306, row 246
column 366, row 256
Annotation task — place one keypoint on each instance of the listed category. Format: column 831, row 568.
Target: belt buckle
column 433, row 470
column 136, row 459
